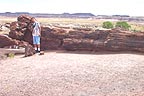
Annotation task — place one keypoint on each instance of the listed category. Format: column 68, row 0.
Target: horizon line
column 68, row 13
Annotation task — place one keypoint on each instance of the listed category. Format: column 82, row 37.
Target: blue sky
column 97, row 7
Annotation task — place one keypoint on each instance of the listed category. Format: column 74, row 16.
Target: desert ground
column 58, row 73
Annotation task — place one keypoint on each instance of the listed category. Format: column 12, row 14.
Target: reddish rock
column 28, row 36
column 7, row 41
column 57, row 33
column 77, row 39
column 50, row 44
column 14, row 34
column 10, row 43
column 24, row 18
column 107, row 40
column 29, row 50
column 14, row 26
column 83, row 29
column 78, row 44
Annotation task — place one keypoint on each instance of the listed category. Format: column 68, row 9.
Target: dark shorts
column 36, row 39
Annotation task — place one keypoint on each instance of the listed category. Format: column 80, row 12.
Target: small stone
column 41, row 52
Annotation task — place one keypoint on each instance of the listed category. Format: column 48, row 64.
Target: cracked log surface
column 74, row 39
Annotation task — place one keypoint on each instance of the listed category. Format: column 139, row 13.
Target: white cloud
column 107, row 7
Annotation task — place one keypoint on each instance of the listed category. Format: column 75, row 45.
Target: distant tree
column 107, row 25
column 123, row 25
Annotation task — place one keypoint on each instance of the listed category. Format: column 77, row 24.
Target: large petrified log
column 126, row 41
column 112, row 40
column 7, row 41
column 78, row 39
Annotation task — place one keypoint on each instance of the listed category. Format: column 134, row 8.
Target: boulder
column 7, row 41
column 14, row 34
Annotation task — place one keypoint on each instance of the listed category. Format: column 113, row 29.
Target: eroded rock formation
column 76, row 39
column 7, row 42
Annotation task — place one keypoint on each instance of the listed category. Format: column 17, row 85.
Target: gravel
column 73, row 74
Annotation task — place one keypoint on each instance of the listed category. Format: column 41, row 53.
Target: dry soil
column 73, row 74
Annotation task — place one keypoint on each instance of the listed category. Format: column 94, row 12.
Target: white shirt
column 36, row 29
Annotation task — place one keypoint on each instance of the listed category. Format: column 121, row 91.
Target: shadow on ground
column 96, row 52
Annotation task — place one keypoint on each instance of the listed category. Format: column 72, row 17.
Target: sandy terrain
column 73, row 74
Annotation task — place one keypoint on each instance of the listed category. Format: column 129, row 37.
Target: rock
column 28, row 36
column 14, row 34
column 82, row 39
column 73, row 44
column 110, row 40
column 14, row 26
column 41, row 52
column 24, row 18
column 7, row 41
column 50, row 44
column 29, row 50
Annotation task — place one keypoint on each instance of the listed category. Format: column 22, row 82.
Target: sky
column 96, row 7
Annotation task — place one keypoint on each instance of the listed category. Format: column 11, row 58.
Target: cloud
column 106, row 7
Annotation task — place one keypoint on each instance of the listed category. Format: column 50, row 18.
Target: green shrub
column 123, row 25
column 11, row 55
column 107, row 25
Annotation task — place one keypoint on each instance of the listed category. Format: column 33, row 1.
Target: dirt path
column 71, row 74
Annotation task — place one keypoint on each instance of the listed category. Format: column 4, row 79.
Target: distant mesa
column 121, row 15
column 16, row 13
column 84, row 14
column 73, row 15
column 77, row 15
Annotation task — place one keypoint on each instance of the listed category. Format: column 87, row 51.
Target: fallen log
column 106, row 41
column 74, row 39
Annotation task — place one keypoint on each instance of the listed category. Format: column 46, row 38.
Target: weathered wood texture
column 76, row 39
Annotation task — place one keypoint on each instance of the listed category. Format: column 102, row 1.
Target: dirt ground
column 73, row 74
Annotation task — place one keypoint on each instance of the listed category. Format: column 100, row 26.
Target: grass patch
column 135, row 27
column 11, row 55
column 78, row 22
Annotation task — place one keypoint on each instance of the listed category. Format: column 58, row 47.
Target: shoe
column 36, row 51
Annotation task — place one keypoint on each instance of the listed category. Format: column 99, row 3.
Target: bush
column 123, row 25
column 11, row 55
column 107, row 25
